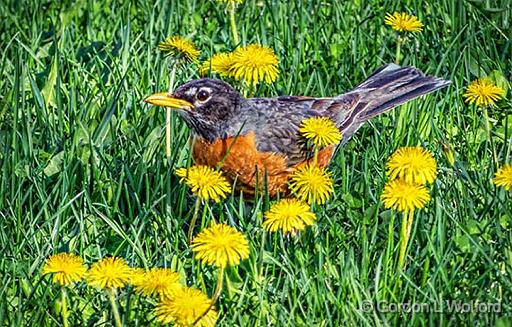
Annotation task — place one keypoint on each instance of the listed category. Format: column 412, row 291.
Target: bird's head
column 205, row 104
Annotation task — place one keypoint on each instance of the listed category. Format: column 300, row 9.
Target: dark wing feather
column 276, row 121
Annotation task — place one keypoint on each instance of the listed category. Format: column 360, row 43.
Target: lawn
column 83, row 167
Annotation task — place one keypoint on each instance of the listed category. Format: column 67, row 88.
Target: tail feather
column 389, row 74
column 373, row 111
column 386, row 88
column 393, row 85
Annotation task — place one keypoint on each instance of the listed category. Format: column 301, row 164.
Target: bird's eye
column 202, row 95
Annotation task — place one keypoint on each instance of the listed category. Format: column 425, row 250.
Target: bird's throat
column 204, row 128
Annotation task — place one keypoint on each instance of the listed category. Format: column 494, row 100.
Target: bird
column 255, row 142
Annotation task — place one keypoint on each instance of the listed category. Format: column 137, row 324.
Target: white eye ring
column 203, row 95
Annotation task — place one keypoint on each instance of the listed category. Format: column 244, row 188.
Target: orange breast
column 241, row 162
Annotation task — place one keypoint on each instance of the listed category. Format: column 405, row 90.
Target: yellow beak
column 165, row 100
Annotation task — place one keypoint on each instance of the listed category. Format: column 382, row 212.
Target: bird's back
column 262, row 140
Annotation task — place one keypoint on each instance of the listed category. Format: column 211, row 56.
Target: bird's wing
column 343, row 110
column 276, row 121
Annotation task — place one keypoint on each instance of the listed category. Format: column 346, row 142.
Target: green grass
column 82, row 165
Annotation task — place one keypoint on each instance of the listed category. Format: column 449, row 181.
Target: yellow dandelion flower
column 403, row 196
column 311, row 183
column 254, row 64
column 322, row 131
column 288, row 215
column 179, row 48
column 220, row 245
column 137, row 275
column 205, row 182
column 504, row 177
column 66, row 268
column 220, row 64
column 403, row 22
column 109, row 272
column 483, row 92
column 162, row 282
column 412, row 164
column 185, row 308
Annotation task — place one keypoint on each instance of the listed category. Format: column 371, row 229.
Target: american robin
column 255, row 139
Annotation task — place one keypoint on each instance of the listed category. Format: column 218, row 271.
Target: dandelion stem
column 405, row 234
column 252, row 90
column 168, row 127
column 218, row 291
column 112, row 294
column 232, row 12
column 315, row 161
column 315, row 155
column 390, row 245
column 398, row 48
column 64, row 307
column 489, row 136
column 194, row 219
